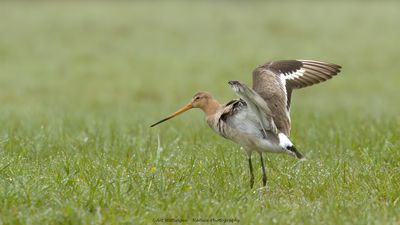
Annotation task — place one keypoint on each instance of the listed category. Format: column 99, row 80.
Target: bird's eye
column 197, row 98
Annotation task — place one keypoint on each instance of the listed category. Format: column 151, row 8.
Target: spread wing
column 275, row 80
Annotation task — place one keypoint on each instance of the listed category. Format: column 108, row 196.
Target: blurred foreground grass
column 81, row 82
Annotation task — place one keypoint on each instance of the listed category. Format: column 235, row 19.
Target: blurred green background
column 80, row 82
column 142, row 57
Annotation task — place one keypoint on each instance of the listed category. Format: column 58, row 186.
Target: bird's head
column 200, row 100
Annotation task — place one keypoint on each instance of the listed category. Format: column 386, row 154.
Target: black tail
column 295, row 151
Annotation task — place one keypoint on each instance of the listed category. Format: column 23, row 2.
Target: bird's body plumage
column 260, row 119
column 273, row 82
column 240, row 124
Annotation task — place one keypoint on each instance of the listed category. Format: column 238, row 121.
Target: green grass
column 80, row 83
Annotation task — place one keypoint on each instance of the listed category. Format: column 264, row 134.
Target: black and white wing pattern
column 275, row 80
column 302, row 73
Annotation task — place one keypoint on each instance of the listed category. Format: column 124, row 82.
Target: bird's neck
column 211, row 108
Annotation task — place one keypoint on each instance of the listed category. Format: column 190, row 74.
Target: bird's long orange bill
column 180, row 111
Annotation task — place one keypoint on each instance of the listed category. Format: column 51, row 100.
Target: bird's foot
column 264, row 179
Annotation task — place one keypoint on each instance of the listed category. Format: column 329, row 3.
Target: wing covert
column 275, row 80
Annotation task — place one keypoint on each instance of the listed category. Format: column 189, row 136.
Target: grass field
column 80, row 83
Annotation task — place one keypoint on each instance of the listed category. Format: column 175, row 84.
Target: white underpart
column 258, row 106
column 293, row 75
column 284, row 141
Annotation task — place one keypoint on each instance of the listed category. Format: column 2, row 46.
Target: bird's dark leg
column 264, row 176
column 251, row 173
